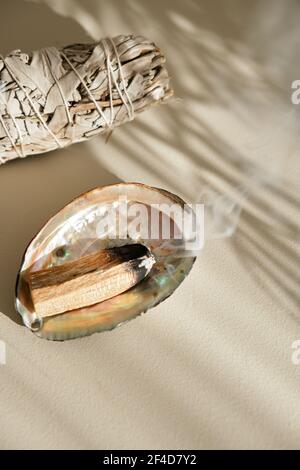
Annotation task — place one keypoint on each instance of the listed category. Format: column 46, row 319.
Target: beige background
column 210, row 367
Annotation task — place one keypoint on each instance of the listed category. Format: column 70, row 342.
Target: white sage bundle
column 53, row 97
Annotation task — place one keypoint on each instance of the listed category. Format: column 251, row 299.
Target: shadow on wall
column 29, row 26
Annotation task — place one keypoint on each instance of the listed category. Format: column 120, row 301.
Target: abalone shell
column 72, row 233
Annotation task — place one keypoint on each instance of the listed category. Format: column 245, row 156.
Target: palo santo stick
column 89, row 280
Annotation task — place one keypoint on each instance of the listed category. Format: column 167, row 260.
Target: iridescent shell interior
column 72, row 233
